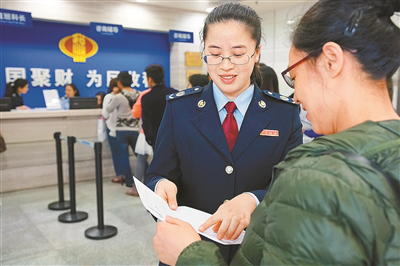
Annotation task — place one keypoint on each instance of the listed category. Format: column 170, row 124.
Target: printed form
column 160, row 209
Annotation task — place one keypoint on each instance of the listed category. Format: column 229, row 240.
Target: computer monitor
column 52, row 99
column 5, row 104
column 83, row 103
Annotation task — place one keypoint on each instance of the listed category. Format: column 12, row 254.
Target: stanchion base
column 69, row 217
column 59, row 205
column 97, row 234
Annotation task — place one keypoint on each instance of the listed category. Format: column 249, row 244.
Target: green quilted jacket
column 325, row 209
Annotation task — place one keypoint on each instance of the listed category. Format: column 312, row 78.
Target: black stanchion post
column 100, row 231
column 72, row 216
column 60, row 204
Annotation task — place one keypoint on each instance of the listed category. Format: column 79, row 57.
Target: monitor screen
column 83, row 103
column 5, row 104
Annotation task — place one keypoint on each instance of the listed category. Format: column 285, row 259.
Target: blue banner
column 109, row 30
column 180, row 36
column 50, row 55
column 15, row 18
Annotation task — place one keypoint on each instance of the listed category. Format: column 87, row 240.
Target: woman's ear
column 258, row 54
column 333, row 58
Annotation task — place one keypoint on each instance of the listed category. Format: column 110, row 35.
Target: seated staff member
column 15, row 90
column 70, row 91
column 198, row 164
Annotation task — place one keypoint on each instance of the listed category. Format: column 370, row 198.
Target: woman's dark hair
column 12, row 87
column 198, row 80
column 269, row 78
column 239, row 13
column 156, row 72
column 102, row 95
column 361, row 27
column 113, row 83
column 77, row 94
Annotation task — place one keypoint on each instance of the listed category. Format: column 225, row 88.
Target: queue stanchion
column 60, row 204
column 100, row 231
column 72, row 216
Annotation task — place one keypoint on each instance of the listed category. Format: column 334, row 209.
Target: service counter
column 30, row 158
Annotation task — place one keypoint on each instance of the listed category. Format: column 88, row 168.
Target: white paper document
column 160, row 209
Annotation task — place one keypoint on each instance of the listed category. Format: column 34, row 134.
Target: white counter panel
column 30, row 158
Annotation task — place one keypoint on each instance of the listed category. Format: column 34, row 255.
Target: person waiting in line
column 111, row 123
column 153, row 103
column 126, row 126
column 70, row 91
column 15, row 90
column 142, row 148
column 100, row 98
column 269, row 78
column 197, row 80
column 219, row 144
column 335, row 200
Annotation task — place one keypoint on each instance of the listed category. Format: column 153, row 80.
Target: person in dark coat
column 153, row 103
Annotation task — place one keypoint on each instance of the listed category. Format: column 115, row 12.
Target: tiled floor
column 32, row 235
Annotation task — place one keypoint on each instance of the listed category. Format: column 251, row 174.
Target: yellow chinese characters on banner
column 78, row 46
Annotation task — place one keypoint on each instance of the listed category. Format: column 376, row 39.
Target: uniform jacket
column 16, row 100
column 192, row 151
column 153, row 106
column 325, row 210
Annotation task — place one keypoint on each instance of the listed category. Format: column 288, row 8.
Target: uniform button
column 229, row 169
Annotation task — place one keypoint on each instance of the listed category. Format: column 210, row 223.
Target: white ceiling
column 261, row 6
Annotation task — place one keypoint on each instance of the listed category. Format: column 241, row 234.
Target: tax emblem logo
column 78, row 46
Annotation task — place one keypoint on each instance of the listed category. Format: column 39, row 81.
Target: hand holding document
column 160, row 209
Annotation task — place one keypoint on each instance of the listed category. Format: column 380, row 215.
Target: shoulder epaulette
column 279, row 96
column 186, row 92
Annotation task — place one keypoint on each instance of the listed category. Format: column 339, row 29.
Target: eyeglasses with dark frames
column 241, row 59
column 286, row 77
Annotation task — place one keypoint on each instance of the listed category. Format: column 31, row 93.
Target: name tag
column 270, row 133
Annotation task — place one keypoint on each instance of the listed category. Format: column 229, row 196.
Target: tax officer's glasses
column 285, row 75
column 236, row 59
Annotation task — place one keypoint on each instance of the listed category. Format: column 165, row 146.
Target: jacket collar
column 208, row 122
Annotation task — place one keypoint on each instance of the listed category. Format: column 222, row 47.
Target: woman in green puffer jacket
column 335, row 200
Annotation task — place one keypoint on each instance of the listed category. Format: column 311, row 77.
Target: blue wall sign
column 15, row 18
column 46, row 55
column 180, row 36
column 103, row 29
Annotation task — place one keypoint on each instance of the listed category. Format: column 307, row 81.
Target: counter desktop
column 29, row 135
column 53, row 101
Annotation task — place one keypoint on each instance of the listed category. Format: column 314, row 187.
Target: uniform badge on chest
column 269, row 133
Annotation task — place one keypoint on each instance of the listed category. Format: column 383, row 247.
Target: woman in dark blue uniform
column 14, row 90
column 195, row 162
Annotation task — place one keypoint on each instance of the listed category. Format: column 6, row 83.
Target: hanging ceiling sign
column 78, row 46
column 109, row 30
column 15, row 18
column 180, row 36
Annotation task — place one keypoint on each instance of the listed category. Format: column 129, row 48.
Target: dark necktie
column 230, row 126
